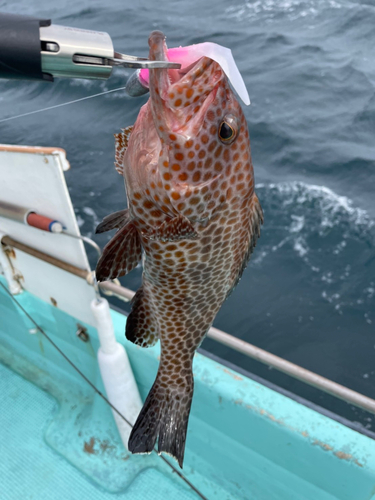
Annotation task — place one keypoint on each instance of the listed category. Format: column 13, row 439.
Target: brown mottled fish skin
column 192, row 202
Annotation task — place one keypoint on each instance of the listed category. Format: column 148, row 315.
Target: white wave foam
column 332, row 206
column 89, row 211
column 274, row 8
column 320, row 228
column 300, row 247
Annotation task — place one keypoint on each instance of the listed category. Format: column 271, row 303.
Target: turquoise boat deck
column 245, row 441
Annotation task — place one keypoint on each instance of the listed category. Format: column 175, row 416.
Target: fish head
column 182, row 99
column 202, row 131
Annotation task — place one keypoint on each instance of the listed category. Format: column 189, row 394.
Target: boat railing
column 295, row 371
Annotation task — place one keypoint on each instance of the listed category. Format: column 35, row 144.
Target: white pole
column 116, row 372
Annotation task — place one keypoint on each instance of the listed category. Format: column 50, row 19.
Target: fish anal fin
column 178, row 228
column 121, row 145
column 113, row 221
column 121, row 254
column 140, row 325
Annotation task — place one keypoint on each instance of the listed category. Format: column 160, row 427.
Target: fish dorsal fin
column 253, row 232
column 121, row 145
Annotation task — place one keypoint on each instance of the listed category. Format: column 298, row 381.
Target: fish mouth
column 179, row 96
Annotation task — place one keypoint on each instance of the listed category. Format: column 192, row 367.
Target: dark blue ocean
column 309, row 292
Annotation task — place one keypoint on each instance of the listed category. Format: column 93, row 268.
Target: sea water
column 309, row 291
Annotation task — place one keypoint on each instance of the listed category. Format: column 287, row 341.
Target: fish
column 193, row 217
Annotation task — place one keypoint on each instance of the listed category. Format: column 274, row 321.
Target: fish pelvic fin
column 178, row 228
column 113, row 221
column 141, row 328
column 120, row 255
column 254, row 223
column 121, row 145
column 165, row 417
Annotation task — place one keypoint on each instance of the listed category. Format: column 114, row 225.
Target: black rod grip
column 20, row 48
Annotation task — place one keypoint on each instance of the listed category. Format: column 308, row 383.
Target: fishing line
column 40, row 329
column 60, row 105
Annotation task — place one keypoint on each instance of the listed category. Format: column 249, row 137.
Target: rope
column 60, row 105
column 40, row 329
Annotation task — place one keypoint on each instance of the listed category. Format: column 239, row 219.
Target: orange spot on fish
column 183, row 176
column 191, row 154
column 167, row 176
column 188, row 144
column 194, row 200
column 218, row 151
column 212, row 146
column 175, row 195
column 196, row 177
column 176, row 167
column 178, row 102
column 172, row 137
column 208, row 163
column 189, row 93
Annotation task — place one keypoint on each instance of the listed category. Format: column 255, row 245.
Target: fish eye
column 228, row 130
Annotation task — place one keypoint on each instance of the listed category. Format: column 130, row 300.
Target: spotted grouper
column 193, row 210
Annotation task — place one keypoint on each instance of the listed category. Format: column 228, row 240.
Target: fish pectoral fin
column 121, row 145
column 178, row 228
column 140, row 325
column 254, row 223
column 120, row 255
column 113, row 221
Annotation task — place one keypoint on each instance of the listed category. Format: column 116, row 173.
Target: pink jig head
column 187, row 56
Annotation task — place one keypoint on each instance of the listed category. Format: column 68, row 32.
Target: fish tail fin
column 164, row 416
